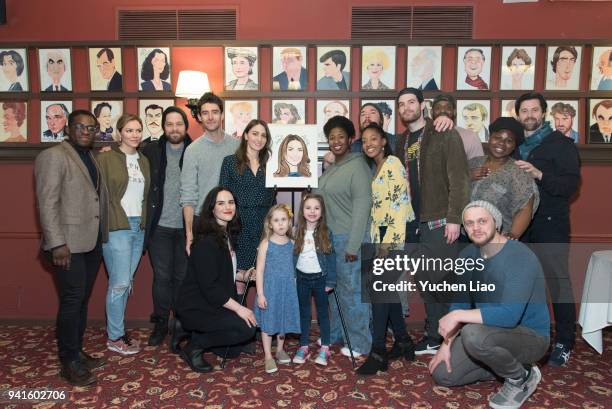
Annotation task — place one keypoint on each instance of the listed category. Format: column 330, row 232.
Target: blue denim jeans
column 312, row 284
column 356, row 314
column 122, row 254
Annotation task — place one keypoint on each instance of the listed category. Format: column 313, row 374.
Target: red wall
column 26, row 290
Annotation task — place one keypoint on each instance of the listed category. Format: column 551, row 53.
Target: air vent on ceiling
column 199, row 24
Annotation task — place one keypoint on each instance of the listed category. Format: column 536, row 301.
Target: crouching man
column 499, row 334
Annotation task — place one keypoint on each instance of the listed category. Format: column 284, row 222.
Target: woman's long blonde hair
column 267, row 227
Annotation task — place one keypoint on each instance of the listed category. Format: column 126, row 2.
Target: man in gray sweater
column 202, row 161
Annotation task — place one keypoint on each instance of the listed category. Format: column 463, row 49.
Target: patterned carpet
column 155, row 378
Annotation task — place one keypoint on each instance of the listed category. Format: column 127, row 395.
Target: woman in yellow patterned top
column 391, row 209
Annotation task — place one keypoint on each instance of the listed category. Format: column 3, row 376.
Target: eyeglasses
column 89, row 128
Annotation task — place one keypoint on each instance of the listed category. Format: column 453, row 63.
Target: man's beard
column 531, row 124
column 410, row 118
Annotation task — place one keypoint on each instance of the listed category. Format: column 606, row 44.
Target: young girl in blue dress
column 315, row 264
column 276, row 306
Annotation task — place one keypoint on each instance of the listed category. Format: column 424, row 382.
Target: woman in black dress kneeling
column 207, row 304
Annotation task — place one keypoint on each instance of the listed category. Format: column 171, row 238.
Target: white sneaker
column 346, row 352
column 319, row 342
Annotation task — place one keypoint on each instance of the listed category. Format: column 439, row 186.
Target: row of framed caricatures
column 290, row 68
column 474, row 114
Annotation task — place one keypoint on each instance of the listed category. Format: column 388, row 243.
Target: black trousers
column 231, row 330
column 169, row 262
column 548, row 237
column 74, row 287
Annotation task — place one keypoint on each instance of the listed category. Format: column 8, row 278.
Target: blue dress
column 283, row 314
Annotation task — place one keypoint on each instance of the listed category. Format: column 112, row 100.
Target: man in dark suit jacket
column 293, row 75
column 108, row 70
column 56, row 88
column 601, row 131
column 73, row 205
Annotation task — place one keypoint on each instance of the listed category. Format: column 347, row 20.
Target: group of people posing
column 202, row 211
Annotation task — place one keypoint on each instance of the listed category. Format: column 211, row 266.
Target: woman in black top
column 207, row 304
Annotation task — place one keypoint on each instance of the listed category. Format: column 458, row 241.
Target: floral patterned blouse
column 391, row 205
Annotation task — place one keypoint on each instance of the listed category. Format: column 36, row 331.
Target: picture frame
column 378, row 68
column 475, row 114
column 424, row 67
column 105, row 69
column 387, row 107
column 600, row 121
column 473, row 68
column 334, row 68
column 601, row 69
column 241, row 68
column 107, row 112
column 288, row 111
column 563, row 65
column 54, row 119
column 507, row 108
column 564, row 116
column 238, row 113
column 154, row 74
column 289, row 68
column 151, row 111
column 326, row 109
column 14, row 116
column 517, row 68
column 55, row 69
column 292, row 163
column 14, row 70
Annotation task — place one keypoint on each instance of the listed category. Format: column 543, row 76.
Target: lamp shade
column 192, row 84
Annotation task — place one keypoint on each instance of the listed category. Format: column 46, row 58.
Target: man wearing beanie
column 552, row 160
column 501, row 332
column 437, row 173
column 165, row 235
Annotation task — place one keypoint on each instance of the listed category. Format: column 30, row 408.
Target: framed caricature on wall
column 601, row 69
column 424, row 67
column 377, row 68
column 563, row 117
column 600, row 121
column 14, row 70
column 517, row 67
column 53, row 120
column 475, row 115
column 107, row 112
column 238, row 113
column 14, row 115
column 55, row 68
column 289, row 68
column 154, row 69
column 333, row 68
column 151, row 111
column 241, row 69
column 288, row 111
column 563, row 68
column 474, row 68
column 105, row 71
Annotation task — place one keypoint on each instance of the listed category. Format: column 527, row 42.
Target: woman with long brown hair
column 293, row 157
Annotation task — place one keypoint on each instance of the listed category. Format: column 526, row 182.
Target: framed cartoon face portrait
column 241, row 69
column 377, row 68
column 107, row 112
column 424, row 67
column 326, row 109
column 601, row 69
column 474, row 68
column 154, row 69
column 507, row 108
column 105, row 72
column 518, row 67
column 563, row 68
column 600, row 121
column 293, row 161
column 563, row 117
column 289, row 68
column 238, row 113
column 14, row 117
column 53, row 120
column 288, row 111
column 151, row 111
column 386, row 107
column 475, row 115
column 333, row 68
column 55, row 67
column 13, row 70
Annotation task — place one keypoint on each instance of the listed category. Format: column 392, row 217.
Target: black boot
column 377, row 361
column 178, row 335
column 404, row 348
column 77, row 374
column 90, row 362
column 159, row 331
column 192, row 355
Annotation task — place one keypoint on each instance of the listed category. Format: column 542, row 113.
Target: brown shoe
column 77, row 374
column 90, row 362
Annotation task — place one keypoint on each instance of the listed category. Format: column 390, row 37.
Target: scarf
column 534, row 140
column 477, row 83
